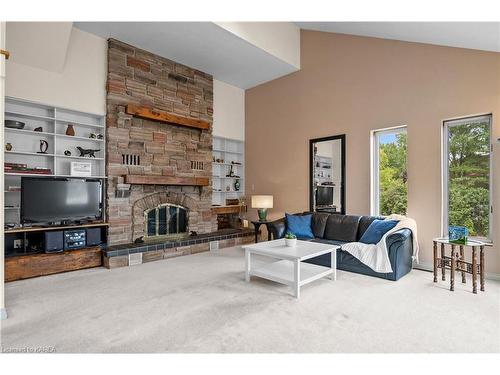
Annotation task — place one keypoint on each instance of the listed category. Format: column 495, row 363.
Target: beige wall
column 229, row 111
column 280, row 39
column 352, row 85
column 80, row 85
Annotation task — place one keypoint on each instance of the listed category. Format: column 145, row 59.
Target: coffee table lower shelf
column 282, row 272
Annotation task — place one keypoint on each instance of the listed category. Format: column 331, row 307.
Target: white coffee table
column 289, row 269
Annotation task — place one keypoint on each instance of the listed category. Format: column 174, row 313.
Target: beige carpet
column 201, row 303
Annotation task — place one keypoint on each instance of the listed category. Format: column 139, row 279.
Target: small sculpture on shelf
column 90, row 152
column 237, row 185
column 96, row 136
column 38, row 129
column 231, row 172
column 67, row 152
column 70, row 130
column 8, row 146
column 44, row 146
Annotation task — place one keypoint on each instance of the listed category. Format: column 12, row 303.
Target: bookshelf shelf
column 26, row 143
column 227, row 150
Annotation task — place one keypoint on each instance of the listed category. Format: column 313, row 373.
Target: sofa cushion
column 376, row 231
column 341, row 227
column 300, row 225
column 364, row 223
column 319, row 223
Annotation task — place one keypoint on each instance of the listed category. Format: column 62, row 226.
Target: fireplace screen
column 166, row 220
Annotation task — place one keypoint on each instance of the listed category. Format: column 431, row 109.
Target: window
column 389, row 174
column 466, row 175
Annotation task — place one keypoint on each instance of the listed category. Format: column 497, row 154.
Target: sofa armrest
column 277, row 228
column 400, row 249
column 399, row 235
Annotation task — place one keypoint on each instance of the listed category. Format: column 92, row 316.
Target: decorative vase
column 237, row 185
column 291, row 242
column 70, row 130
column 8, row 146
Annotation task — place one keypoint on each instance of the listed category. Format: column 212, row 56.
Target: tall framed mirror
column 327, row 174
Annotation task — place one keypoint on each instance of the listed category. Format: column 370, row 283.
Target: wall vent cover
column 131, row 159
column 197, row 165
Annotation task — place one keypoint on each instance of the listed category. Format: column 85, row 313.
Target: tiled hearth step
column 128, row 254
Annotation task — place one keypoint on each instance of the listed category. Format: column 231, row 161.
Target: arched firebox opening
column 166, row 221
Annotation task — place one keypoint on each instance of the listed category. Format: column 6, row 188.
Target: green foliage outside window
column 393, row 195
column 469, row 171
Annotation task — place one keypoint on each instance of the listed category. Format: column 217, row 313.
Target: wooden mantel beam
column 166, row 180
column 151, row 114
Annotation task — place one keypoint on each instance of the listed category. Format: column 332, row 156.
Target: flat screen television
column 324, row 195
column 49, row 200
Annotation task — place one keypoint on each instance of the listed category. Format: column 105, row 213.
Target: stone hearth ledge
column 118, row 255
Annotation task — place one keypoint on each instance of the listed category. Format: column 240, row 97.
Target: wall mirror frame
column 327, row 174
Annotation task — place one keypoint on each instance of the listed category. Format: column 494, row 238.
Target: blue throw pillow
column 300, row 225
column 376, row 231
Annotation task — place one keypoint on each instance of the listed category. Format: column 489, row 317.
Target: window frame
column 375, row 165
column 445, row 173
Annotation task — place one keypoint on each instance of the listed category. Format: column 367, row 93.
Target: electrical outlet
column 18, row 244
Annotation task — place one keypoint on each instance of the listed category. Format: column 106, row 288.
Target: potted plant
column 290, row 239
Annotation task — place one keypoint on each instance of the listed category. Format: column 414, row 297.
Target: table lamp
column 262, row 203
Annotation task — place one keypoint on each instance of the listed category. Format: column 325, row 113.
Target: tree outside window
column 468, row 174
column 390, row 172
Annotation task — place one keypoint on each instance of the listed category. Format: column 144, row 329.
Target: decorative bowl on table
column 13, row 124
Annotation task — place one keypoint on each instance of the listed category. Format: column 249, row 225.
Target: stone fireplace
column 149, row 151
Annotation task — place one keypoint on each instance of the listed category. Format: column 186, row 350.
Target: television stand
column 25, row 257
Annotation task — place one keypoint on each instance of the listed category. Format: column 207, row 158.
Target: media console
column 37, row 251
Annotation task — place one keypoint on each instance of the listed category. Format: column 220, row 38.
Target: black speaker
column 94, row 236
column 54, row 242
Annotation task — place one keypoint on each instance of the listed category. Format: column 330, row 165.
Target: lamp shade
column 262, row 201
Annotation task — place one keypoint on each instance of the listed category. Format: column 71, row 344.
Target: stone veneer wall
column 138, row 77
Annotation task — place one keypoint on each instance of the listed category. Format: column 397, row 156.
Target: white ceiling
column 201, row 45
column 474, row 35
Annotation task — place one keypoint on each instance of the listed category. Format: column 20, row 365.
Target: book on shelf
column 28, row 170
column 14, row 165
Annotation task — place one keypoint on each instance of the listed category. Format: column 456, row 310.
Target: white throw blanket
column 377, row 256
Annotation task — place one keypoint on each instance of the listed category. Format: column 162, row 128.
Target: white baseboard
column 430, row 267
column 3, row 314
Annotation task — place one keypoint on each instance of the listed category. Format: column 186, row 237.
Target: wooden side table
column 456, row 261
column 257, row 224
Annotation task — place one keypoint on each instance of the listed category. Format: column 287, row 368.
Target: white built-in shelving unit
column 26, row 144
column 322, row 169
column 227, row 150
